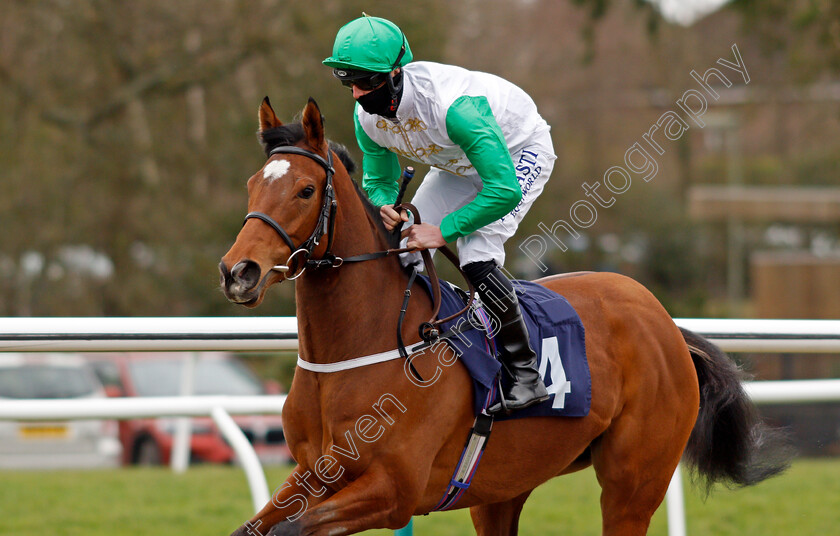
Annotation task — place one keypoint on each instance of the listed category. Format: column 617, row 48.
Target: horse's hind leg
column 499, row 519
column 634, row 461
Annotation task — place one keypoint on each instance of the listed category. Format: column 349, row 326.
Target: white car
column 54, row 444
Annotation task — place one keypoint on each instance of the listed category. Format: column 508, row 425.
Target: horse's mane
column 292, row 133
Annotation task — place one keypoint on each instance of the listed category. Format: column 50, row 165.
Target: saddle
column 556, row 334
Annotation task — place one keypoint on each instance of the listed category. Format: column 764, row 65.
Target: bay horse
column 374, row 448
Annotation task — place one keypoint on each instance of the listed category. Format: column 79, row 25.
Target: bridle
column 325, row 224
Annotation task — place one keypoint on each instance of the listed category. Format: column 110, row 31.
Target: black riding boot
column 498, row 296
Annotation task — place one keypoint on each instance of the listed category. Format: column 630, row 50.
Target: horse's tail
column 729, row 443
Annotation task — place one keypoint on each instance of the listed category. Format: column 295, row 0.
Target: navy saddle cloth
column 556, row 335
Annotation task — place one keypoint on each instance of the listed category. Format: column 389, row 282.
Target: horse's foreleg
column 499, row 519
column 371, row 501
column 300, row 492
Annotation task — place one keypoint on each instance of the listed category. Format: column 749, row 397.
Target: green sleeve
column 471, row 125
column 381, row 169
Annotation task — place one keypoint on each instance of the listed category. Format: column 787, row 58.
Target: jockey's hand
column 424, row 236
column 390, row 217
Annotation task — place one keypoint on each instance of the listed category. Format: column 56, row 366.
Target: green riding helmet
column 369, row 44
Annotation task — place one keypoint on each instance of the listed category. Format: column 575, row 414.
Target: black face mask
column 384, row 100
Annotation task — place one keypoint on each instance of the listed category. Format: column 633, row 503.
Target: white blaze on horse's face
column 275, row 169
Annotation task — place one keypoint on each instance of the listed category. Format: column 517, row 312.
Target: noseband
column 326, row 217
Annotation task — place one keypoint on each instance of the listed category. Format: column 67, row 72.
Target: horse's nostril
column 246, row 273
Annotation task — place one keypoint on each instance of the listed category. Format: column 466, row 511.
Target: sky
column 686, row 12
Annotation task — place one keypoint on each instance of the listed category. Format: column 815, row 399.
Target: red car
column 149, row 441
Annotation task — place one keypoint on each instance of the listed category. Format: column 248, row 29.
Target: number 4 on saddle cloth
column 556, row 335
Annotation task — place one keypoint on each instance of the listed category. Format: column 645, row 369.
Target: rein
column 429, row 331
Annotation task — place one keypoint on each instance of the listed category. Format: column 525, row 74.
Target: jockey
column 490, row 154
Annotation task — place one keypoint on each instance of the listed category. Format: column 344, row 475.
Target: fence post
column 246, row 455
column 676, row 505
column 182, row 440
column 407, row 530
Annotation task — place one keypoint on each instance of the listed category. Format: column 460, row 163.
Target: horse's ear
column 268, row 119
column 313, row 125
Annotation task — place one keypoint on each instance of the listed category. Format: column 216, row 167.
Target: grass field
column 211, row 500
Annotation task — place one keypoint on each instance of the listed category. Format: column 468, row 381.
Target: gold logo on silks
column 409, row 125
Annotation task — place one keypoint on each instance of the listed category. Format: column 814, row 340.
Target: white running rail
column 220, row 408
column 280, row 333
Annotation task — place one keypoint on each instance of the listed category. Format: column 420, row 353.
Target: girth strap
column 470, row 457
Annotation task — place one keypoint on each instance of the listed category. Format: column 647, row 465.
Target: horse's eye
column 307, row 192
